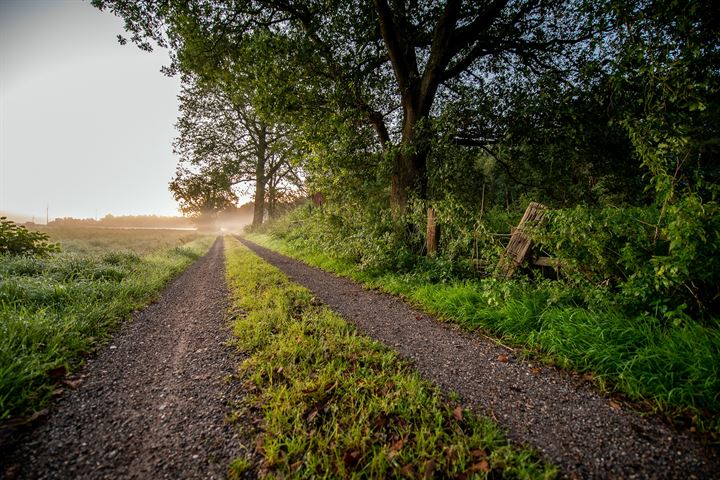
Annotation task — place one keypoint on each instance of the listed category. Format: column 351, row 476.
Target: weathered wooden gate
column 519, row 245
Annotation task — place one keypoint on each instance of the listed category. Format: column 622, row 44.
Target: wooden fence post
column 519, row 245
column 433, row 233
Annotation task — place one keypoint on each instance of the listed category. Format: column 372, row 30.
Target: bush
column 18, row 240
column 663, row 265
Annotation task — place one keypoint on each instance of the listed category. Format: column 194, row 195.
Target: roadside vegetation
column 669, row 363
column 604, row 112
column 55, row 307
column 337, row 404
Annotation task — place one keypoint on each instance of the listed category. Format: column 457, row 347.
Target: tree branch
column 402, row 59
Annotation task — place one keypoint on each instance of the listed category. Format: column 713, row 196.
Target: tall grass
column 55, row 309
column 336, row 404
column 672, row 369
column 96, row 240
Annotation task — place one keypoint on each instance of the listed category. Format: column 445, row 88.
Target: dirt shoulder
column 565, row 419
column 153, row 403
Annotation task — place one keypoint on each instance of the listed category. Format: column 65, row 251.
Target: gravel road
column 564, row 418
column 153, row 403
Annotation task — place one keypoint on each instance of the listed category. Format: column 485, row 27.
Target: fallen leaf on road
column 351, row 458
column 479, row 453
column 312, row 415
column 407, row 470
column 395, row 447
column 386, row 389
column 381, row 422
column 458, row 413
column 503, row 358
column 259, row 442
column 12, row 471
column 614, row 405
column 451, row 455
column 482, row 466
column 73, row 383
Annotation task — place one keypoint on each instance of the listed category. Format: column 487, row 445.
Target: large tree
column 386, row 63
column 203, row 193
column 222, row 136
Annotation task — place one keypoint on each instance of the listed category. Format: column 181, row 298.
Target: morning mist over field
column 86, row 125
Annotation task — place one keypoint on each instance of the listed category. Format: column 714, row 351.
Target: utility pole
column 47, row 215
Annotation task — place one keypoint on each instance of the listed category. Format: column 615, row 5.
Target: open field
column 53, row 310
column 101, row 239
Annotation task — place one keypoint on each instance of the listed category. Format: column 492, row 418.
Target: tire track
column 153, row 403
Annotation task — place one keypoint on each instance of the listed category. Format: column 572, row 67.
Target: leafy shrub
column 354, row 234
column 657, row 264
column 641, row 259
column 18, row 240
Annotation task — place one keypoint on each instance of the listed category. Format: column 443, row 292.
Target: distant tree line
column 109, row 220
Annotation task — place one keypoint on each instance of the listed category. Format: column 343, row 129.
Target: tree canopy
column 388, row 66
column 397, row 105
column 222, row 138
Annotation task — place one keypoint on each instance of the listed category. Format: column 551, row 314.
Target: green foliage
column 336, row 404
column 353, row 233
column 18, row 240
column 53, row 310
column 672, row 50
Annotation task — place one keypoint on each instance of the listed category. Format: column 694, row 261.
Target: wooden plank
column 548, row 262
column 519, row 245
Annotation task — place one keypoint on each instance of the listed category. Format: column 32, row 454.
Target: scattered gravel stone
column 153, row 404
column 564, row 418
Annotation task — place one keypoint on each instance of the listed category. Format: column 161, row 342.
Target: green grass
column 671, row 369
column 336, row 404
column 55, row 309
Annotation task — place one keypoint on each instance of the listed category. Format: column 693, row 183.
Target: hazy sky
column 86, row 125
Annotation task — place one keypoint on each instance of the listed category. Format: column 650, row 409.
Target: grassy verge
column 337, row 404
column 53, row 310
column 675, row 370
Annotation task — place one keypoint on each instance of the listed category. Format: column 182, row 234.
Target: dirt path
column 562, row 417
column 153, row 403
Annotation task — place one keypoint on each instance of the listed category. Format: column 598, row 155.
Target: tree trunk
column 273, row 200
column 260, row 179
column 259, row 209
column 410, row 163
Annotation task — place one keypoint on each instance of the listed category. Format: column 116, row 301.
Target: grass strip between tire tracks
column 335, row 403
